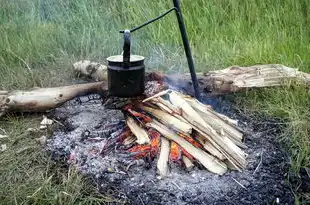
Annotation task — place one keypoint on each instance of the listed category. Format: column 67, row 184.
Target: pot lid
column 119, row 58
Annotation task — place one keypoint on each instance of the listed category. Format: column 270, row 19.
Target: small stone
column 3, row 147
column 31, row 130
column 43, row 127
column 45, row 122
column 42, row 140
column 3, row 136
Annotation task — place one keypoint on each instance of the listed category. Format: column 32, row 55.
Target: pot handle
column 126, row 49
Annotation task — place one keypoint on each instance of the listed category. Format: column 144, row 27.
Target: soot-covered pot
column 126, row 73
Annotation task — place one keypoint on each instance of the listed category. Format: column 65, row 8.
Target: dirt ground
column 262, row 182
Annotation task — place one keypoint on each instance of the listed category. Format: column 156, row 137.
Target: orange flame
column 175, row 152
column 151, row 149
column 136, row 114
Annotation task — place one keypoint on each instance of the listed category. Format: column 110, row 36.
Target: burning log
column 195, row 130
column 228, row 80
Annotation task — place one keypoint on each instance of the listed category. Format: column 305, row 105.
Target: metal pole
column 187, row 48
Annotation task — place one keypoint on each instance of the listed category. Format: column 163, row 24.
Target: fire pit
column 98, row 141
column 192, row 145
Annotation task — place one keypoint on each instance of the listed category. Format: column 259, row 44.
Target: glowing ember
column 175, row 152
column 149, row 150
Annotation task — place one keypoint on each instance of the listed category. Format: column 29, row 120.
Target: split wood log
column 139, row 132
column 208, row 161
column 43, row 99
column 169, row 120
column 162, row 163
column 188, row 163
column 209, row 147
column 223, row 143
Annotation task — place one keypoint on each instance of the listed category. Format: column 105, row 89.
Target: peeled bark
column 236, row 78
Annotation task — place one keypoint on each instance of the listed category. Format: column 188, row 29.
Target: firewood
column 187, row 111
column 233, row 152
column 163, row 107
column 129, row 140
column 139, row 132
column 207, row 108
column 208, row 161
column 169, row 120
column 209, row 147
column 162, row 162
column 43, row 99
column 188, row 163
column 169, row 105
column 222, row 124
column 223, row 128
column 157, row 95
column 93, row 70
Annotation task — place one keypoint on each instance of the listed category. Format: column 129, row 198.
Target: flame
column 175, row 152
column 138, row 115
column 152, row 149
column 149, row 150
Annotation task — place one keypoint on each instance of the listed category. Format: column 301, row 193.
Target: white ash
column 138, row 181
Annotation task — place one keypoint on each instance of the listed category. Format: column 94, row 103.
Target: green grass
column 39, row 41
column 29, row 176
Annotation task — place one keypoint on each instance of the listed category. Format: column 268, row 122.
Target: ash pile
column 168, row 148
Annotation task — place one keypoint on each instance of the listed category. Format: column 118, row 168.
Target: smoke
column 167, row 58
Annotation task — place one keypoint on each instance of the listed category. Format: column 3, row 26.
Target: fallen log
column 89, row 69
column 236, row 78
column 232, row 79
column 43, row 99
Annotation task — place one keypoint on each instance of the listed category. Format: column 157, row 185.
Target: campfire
column 176, row 128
